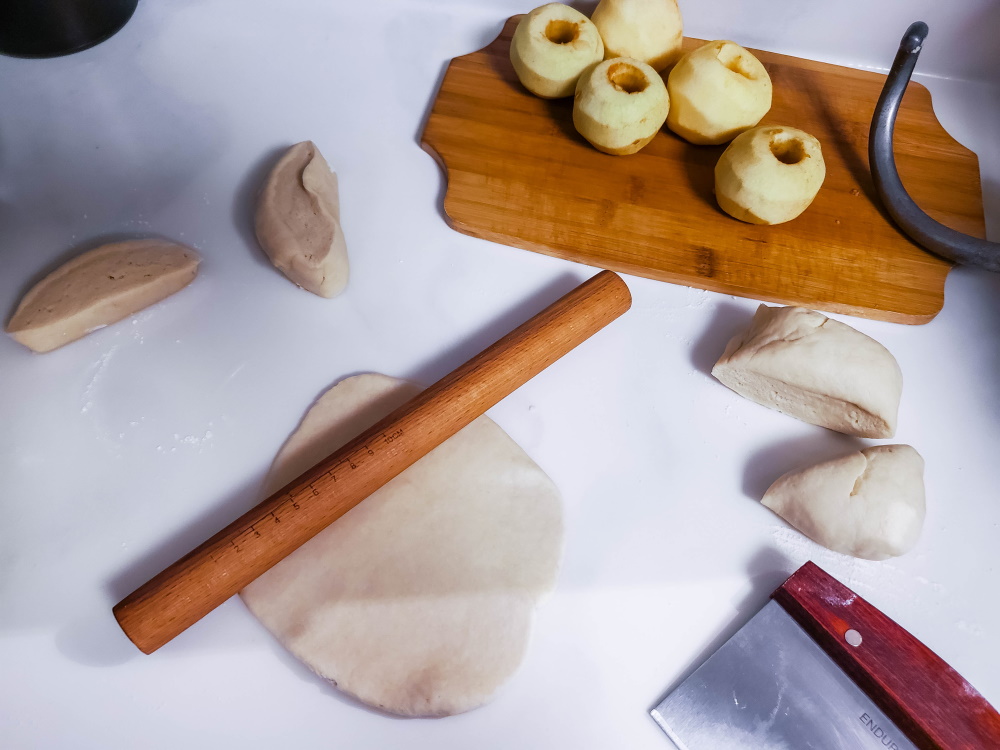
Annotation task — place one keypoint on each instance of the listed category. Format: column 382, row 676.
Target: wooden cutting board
column 519, row 174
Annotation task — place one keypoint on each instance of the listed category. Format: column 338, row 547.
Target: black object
column 924, row 230
column 50, row 28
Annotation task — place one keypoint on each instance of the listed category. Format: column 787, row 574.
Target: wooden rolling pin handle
column 203, row 579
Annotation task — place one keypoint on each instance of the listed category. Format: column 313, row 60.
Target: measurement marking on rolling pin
column 290, row 504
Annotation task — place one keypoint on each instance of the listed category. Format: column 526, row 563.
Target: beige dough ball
column 646, row 30
column 620, row 105
column 769, row 175
column 552, row 46
column 717, row 91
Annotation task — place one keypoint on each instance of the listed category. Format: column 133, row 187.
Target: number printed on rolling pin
column 291, row 504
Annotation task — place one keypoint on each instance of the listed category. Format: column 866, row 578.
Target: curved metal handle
column 931, row 234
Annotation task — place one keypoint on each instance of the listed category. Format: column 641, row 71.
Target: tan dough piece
column 868, row 504
column 298, row 221
column 816, row 369
column 419, row 601
column 98, row 288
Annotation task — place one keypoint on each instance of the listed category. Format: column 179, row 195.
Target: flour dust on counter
column 420, row 600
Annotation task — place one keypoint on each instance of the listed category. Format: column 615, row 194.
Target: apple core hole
column 627, row 78
column 790, row 151
column 731, row 56
column 562, row 32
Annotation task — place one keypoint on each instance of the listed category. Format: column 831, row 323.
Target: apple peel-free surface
column 717, row 91
column 769, row 175
column 420, row 600
column 651, row 31
column 553, row 45
column 620, row 105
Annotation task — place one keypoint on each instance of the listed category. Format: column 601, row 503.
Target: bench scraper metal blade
column 819, row 668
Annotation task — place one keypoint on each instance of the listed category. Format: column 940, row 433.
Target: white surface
column 122, row 451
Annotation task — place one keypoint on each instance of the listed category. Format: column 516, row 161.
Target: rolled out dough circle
column 420, row 600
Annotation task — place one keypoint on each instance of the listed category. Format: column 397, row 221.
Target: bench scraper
column 819, row 668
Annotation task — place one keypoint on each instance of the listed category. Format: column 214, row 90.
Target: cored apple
column 552, row 46
column 647, row 30
column 717, row 91
column 769, row 175
column 620, row 105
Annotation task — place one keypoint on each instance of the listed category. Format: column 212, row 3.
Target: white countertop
column 122, row 451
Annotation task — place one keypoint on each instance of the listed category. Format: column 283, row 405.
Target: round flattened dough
column 419, row 601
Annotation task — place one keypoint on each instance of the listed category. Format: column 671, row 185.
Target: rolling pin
column 179, row 596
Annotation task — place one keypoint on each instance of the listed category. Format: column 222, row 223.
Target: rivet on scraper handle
column 203, row 579
column 928, row 700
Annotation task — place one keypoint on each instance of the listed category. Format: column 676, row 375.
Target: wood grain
column 196, row 584
column 928, row 700
column 519, row 174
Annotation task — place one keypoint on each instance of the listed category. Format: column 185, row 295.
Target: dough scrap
column 868, row 504
column 419, row 601
column 298, row 221
column 100, row 287
column 816, row 369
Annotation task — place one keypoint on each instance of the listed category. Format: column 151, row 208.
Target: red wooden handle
column 928, row 700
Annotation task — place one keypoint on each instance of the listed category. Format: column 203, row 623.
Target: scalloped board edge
column 519, row 174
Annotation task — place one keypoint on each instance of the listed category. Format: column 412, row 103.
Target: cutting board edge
column 838, row 308
column 972, row 156
column 427, row 143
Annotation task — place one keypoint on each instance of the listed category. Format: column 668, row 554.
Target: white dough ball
column 868, row 504
column 816, row 369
